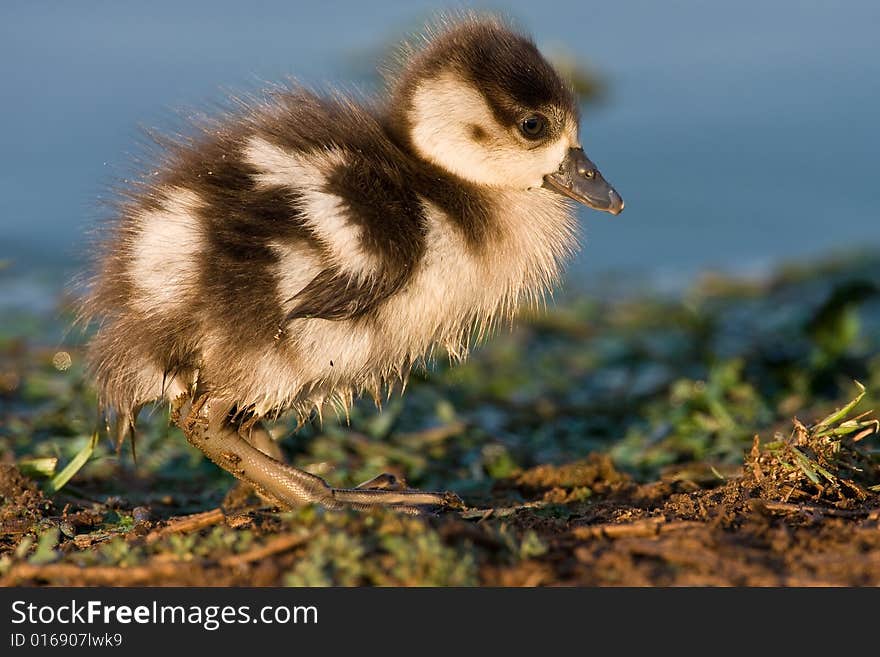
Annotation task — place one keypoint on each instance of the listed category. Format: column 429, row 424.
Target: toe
column 384, row 481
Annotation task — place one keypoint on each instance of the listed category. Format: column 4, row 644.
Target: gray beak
column 578, row 178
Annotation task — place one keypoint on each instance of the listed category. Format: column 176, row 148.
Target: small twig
column 638, row 529
column 787, row 507
column 187, row 524
column 162, row 567
column 94, row 575
column 486, row 516
column 277, row 545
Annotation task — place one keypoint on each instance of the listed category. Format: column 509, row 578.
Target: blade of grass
column 848, row 427
column 805, row 465
column 57, row 482
column 840, row 413
column 39, row 466
column 825, row 473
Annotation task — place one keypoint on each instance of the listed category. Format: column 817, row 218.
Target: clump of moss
column 421, row 558
column 331, row 559
column 381, row 548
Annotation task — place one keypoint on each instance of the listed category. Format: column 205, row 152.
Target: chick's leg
column 256, row 434
column 209, row 430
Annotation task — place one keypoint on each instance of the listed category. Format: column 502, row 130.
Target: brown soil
column 676, row 534
column 743, row 532
column 21, row 502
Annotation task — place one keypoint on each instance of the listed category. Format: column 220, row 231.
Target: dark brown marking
column 506, row 67
column 478, row 133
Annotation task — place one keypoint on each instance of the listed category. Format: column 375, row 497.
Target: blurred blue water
column 738, row 133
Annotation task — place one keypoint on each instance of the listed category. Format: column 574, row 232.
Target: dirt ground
column 738, row 531
column 608, row 441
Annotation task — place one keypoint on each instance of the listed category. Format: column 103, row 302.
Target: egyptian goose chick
column 306, row 249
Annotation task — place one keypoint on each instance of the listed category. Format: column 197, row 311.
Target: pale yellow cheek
column 443, row 114
column 554, row 154
column 516, row 167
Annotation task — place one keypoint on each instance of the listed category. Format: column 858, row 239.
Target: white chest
column 456, row 289
column 453, row 291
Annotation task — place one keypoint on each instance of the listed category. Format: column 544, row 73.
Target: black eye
column 534, row 126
